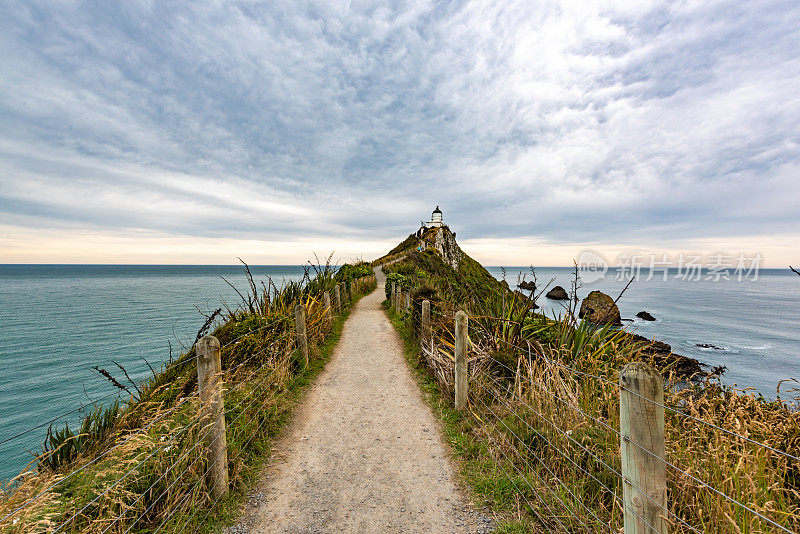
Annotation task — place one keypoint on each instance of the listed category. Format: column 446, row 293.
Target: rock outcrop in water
column 557, row 293
column 665, row 359
column 646, row 316
column 599, row 308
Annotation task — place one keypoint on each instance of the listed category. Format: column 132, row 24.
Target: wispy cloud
column 548, row 123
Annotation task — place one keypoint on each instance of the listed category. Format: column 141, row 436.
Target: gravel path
column 364, row 452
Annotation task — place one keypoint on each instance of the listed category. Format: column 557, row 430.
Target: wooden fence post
column 644, row 476
column 300, row 329
column 408, row 301
column 338, row 296
column 462, row 388
column 209, row 380
column 326, row 301
column 425, row 334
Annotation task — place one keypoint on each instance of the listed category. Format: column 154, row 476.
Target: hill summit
column 433, row 255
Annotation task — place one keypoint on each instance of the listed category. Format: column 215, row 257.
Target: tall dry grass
column 546, row 407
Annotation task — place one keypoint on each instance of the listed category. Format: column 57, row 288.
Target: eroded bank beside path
column 363, row 453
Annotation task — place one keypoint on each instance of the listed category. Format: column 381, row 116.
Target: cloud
column 537, row 122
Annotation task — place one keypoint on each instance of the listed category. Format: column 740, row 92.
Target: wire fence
column 562, row 429
column 158, row 469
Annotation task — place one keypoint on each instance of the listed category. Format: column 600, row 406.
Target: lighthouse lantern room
column 436, row 218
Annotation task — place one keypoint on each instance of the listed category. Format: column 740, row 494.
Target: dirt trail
column 363, row 453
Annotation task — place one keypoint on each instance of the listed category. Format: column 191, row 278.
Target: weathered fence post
column 408, row 301
column 338, row 296
column 326, row 301
column 425, row 333
column 644, row 476
column 461, row 361
column 209, row 380
column 300, row 329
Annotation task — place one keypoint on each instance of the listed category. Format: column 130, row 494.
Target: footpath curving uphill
column 364, row 452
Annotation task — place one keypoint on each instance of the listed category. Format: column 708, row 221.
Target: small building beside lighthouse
column 436, row 219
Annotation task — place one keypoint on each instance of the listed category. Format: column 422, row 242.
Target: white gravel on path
column 363, row 452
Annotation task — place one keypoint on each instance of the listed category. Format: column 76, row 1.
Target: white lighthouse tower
column 436, row 218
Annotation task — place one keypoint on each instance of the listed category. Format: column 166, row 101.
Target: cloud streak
column 534, row 122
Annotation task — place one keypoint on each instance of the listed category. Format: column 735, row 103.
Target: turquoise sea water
column 57, row 322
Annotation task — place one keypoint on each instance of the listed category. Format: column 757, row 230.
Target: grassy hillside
column 540, row 440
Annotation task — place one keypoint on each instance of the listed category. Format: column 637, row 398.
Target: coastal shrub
column 406, row 269
column 420, row 293
column 348, row 272
column 62, row 446
column 403, row 281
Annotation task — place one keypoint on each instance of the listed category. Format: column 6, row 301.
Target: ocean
column 59, row 321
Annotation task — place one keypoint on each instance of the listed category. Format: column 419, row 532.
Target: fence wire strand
column 671, row 409
column 480, row 331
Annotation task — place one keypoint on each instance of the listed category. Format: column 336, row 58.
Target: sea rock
column 646, row 316
column 709, row 346
column 650, row 346
column 665, row 360
column 599, row 308
column 527, row 286
column 557, row 293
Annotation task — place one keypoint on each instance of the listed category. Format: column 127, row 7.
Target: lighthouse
column 436, row 219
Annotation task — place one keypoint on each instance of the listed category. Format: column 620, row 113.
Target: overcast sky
column 195, row 132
